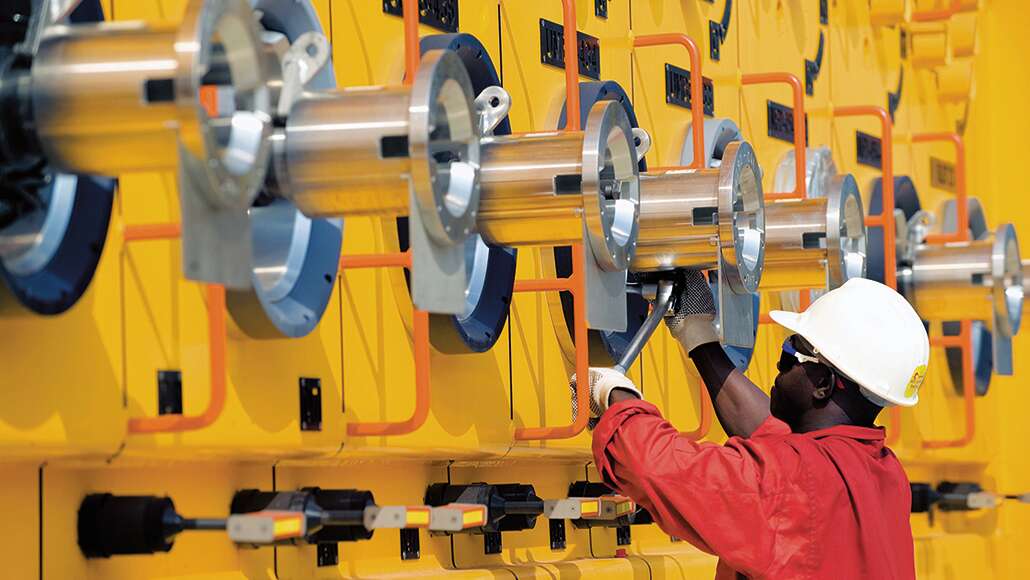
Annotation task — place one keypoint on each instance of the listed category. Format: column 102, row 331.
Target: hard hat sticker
column 913, row 383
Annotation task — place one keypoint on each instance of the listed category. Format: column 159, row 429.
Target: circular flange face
column 48, row 256
column 742, row 207
column 845, row 232
column 906, row 199
column 229, row 147
column 611, row 186
column 444, row 145
column 295, row 259
column 1007, row 275
column 489, row 270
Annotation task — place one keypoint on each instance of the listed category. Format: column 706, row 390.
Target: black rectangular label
column 677, row 89
column 310, row 404
column 780, row 119
column 440, row 14
column 601, row 8
column 868, row 149
column 942, row 174
column 552, row 49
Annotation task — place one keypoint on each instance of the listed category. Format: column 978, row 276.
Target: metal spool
column 489, row 269
column 49, row 249
column 295, row 258
column 606, row 346
column 980, row 279
column 129, row 96
column 719, row 135
column 820, row 241
column 906, row 203
column 983, row 360
column 339, row 163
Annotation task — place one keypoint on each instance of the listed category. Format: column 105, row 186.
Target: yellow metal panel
column 19, row 531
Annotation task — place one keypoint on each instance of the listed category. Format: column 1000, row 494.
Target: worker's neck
column 815, row 419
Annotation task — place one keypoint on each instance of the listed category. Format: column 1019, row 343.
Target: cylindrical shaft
column 203, row 524
column 347, row 153
column 531, row 189
column 795, row 245
column 104, row 98
column 526, row 508
column 952, row 282
column 679, row 220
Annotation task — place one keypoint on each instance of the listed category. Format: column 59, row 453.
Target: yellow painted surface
column 73, row 380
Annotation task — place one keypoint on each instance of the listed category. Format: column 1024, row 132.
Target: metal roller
column 355, row 151
column 109, row 98
column 699, row 218
column 564, row 187
column 980, row 279
column 818, row 242
column 390, row 152
column 540, row 189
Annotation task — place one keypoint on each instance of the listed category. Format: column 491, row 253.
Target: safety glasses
column 792, row 356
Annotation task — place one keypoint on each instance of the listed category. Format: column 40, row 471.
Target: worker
column 804, row 487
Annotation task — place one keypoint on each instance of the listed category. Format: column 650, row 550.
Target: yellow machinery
column 335, row 377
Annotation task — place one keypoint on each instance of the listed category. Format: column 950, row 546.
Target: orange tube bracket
column 571, row 47
column 885, row 219
column 697, row 112
column 420, row 346
column 961, row 233
column 215, row 340
column 576, row 284
column 964, row 341
column 412, row 51
column 800, row 135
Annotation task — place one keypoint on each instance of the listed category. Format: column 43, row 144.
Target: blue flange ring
column 490, row 270
column 983, row 355
column 606, row 347
column 906, row 198
column 48, row 256
column 295, row 259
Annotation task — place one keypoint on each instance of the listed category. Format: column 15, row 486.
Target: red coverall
column 832, row 503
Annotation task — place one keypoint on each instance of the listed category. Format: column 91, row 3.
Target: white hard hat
column 870, row 333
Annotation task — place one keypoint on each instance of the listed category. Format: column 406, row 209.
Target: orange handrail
column 412, row 51
column 934, row 15
column 961, row 233
column 576, row 285
column 697, row 110
column 215, row 340
column 964, row 341
column 885, row 219
column 800, row 137
column 420, row 346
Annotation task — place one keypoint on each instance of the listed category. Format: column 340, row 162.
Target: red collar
column 849, row 431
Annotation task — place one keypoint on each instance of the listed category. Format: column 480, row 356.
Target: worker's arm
column 740, row 405
column 716, row 497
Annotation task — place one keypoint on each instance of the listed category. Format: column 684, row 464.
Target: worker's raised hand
column 602, row 382
column 692, row 316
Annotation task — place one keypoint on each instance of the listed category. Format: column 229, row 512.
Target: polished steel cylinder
column 968, row 280
column 693, row 218
column 815, row 242
column 340, row 162
column 363, row 151
column 116, row 97
column 541, row 189
column 103, row 97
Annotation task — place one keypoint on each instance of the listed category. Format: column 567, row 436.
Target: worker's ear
column 823, row 388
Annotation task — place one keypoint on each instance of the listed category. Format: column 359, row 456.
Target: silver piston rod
column 541, row 189
column 702, row 218
column 363, row 151
column 111, row 98
column 980, row 280
column 816, row 242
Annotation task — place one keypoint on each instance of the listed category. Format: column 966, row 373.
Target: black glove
column 691, row 320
